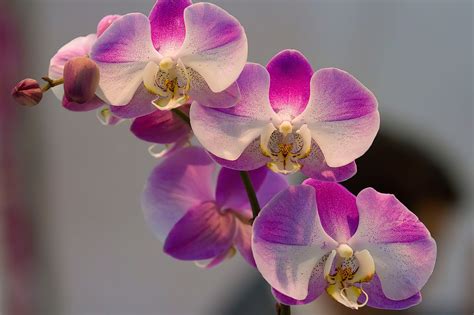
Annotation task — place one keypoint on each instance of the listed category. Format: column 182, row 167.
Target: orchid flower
column 197, row 217
column 183, row 51
column 368, row 249
column 290, row 119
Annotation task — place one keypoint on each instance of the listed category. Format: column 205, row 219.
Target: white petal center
column 169, row 80
column 285, row 146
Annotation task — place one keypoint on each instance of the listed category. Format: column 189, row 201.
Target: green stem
column 250, row 193
column 51, row 83
column 182, row 115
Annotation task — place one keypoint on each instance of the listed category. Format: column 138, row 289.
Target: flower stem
column 283, row 309
column 181, row 115
column 51, row 83
column 250, row 193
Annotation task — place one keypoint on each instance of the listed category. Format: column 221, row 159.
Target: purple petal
column 252, row 158
column 202, row 233
column 122, row 53
column 182, row 181
column 128, row 39
column 95, row 103
column 167, row 25
column 139, row 105
column 201, row 93
column 342, row 116
column 243, row 242
column 272, row 184
column 403, row 249
column 315, row 166
column 317, row 286
column 289, row 240
column 227, row 132
column 377, row 299
column 215, row 45
column 290, row 74
column 337, row 209
column 231, row 193
column 78, row 47
column 160, row 127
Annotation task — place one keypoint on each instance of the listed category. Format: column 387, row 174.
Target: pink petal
column 215, row 45
column 243, row 242
column 95, row 103
column 252, row 158
column 377, row 298
column 160, row 127
column 317, row 286
column 227, row 132
column 290, row 74
column 336, row 208
column 289, row 240
column 105, row 23
column 403, row 249
column 342, row 116
column 181, row 181
column 315, row 166
column 201, row 93
column 230, row 191
column 139, row 105
column 122, row 53
column 202, row 233
column 167, row 25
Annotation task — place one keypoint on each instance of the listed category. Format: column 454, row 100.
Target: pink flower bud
column 27, row 92
column 105, row 23
column 81, row 79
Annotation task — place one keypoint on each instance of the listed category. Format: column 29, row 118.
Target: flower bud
column 27, row 92
column 105, row 23
column 81, row 79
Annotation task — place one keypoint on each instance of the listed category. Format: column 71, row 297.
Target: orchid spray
column 182, row 71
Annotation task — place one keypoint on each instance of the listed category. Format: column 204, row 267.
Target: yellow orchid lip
column 351, row 268
column 285, row 147
column 170, row 81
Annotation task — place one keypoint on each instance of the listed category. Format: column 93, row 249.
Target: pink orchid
column 368, row 249
column 197, row 217
column 291, row 118
column 183, row 51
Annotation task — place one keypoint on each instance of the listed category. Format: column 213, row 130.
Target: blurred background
column 72, row 236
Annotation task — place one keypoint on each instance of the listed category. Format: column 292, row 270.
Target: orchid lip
column 351, row 268
column 170, row 81
column 285, row 146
